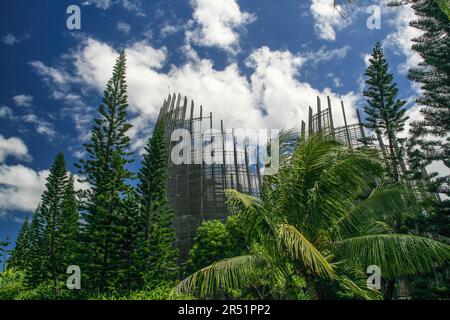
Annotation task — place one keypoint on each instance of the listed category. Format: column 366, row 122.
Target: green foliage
column 158, row 245
column 433, row 73
column 69, row 226
column 105, row 171
column 160, row 292
column 34, row 268
column 45, row 248
column 11, row 284
column 307, row 224
column 18, row 259
column 58, row 210
column 385, row 113
column 129, row 261
column 215, row 241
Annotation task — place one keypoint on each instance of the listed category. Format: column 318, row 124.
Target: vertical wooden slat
column 310, row 124
column 345, row 125
column 319, row 115
column 330, row 112
column 236, row 169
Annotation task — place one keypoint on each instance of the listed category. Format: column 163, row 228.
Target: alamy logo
column 374, row 20
column 74, row 280
column 73, row 22
column 374, row 280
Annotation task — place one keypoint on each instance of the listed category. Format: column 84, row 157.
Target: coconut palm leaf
column 358, row 288
column 300, row 248
column 382, row 202
column 397, row 255
column 228, row 273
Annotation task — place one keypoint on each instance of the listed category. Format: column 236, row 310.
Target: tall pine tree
column 51, row 210
column 386, row 113
column 18, row 259
column 105, row 171
column 69, row 225
column 132, row 236
column 434, row 75
column 34, row 268
column 157, row 218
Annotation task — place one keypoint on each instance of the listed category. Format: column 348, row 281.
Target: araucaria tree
column 157, row 218
column 105, row 170
column 385, row 113
column 19, row 255
column 434, row 75
column 52, row 212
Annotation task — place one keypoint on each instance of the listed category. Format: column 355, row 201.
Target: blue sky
column 255, row 64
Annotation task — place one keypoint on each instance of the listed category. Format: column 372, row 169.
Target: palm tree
column 324, row 217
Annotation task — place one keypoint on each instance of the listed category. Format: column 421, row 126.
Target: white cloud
column 14, row 147
column 54, row 75
column 123, row 27
column 272, row 97
column 400, row 40
column 41, row 126
column 10, row 39
column 130, row 5
column 324, row 54
column 217, row 24
column 327, row 19
column 168, row 29
column 23, row 100
column 101, row 4
column 20, row 188
column 6, row 112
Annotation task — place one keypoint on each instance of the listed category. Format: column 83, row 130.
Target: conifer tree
column 52, row 217
column 434, row 75
column 4, row 252
column 69, row 228
column 386, row 113
column 105, row 171
column 130, row 229
column 18, row 259
column 158, row 219
column 34, row 269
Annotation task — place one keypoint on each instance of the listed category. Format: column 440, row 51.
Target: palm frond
column 300, row 248
column 230, row 273
column 383, row 202
column 397, row 255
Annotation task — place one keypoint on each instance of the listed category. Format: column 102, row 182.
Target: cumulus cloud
column 400, row 40
column 20, row 188
column 23, row 100
column 272, row 97
column 14, row 147
column 217, row 24
column 327, row 19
